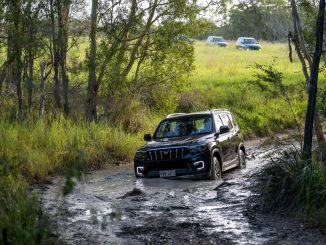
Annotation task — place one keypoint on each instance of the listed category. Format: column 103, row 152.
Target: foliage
column 21, row 217
column 270, row 81
column 272, row 17
column 292, row 184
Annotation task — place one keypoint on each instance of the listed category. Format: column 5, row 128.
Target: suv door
column 225, row 142
column 237, row 135
column 231, row 137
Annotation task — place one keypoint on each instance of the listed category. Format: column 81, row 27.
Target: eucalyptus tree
column 308, row 41
column 140, row 44
column 313, row 83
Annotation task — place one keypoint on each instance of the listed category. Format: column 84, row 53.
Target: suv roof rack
column 221, row 109
column 175, row 115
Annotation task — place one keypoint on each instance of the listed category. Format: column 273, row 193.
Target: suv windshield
column 218, row 39
column 249, row 41
column 185, row 126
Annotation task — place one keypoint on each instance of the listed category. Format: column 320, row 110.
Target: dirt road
column 113, row 207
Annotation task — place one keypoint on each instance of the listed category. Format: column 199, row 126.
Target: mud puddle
column 113, row 207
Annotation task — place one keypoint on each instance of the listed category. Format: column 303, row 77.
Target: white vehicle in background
column 217, row 41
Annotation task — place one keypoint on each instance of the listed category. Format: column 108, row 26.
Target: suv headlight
column 141, row 155
column 197, row 149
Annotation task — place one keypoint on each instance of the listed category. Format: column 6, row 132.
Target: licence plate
column 167, row 173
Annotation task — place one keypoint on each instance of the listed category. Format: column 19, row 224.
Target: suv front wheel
column 216, row 171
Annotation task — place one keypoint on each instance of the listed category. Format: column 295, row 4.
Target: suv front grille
column 167, row 154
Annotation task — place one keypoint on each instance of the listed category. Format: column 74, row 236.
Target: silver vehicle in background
column 248, row 43
column 215, row 40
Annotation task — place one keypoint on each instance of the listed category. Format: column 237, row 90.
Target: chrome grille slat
column 167, row 153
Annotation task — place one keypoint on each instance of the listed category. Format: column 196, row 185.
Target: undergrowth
column 297, row 186
column 21, row 218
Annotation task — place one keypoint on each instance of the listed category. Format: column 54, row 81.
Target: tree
column 272, row 17
column 313, row 82
column 298, row 39
column 15, row 47
column 129, row 46
column 93, row 85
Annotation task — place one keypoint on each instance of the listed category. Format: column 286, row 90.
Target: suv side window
column 226, row 120
column 218, row 122
column 233, row 120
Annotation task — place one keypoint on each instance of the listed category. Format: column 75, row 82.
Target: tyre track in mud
column 113, row 207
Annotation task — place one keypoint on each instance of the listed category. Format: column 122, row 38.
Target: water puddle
column 113, row 207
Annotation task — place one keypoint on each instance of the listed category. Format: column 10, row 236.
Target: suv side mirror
column 224, row 129
column 147, row 137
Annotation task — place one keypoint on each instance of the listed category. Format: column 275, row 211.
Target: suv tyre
column 242, row 159
column 216, row 171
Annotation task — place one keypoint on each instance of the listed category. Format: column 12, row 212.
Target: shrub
column 21, row 217
column 292, row 184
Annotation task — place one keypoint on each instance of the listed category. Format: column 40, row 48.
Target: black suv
column 201, row 144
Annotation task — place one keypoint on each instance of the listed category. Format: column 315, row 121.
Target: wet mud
column 113, row 207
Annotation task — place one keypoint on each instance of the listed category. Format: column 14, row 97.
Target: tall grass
column 295, row 185
column 21, row 217
column 42, row 148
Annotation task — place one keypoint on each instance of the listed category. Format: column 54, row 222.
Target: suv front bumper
column 183, row 167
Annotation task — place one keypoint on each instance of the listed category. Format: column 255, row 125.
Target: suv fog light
column 140, row 170
column 199, row 165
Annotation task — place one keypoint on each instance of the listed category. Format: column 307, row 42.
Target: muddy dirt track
column 113, row 207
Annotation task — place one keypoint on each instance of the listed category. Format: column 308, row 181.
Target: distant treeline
column 262, row 19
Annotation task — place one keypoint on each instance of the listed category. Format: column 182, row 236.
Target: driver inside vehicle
column 207, row 125
column 180, row 129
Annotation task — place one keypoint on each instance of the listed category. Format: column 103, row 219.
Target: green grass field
column 217, row 65
column 223, row 79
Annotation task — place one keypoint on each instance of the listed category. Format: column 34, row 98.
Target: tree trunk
column 42, row 86
column 56, row 36
column 30, row 80
column 64, row 24
column 3, row 74
column 313, row 82
column 93, row 83
column 17, row 54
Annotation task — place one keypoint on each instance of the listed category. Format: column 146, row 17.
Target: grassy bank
column 42, row 148
column 295, row 186
column 33, row 151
